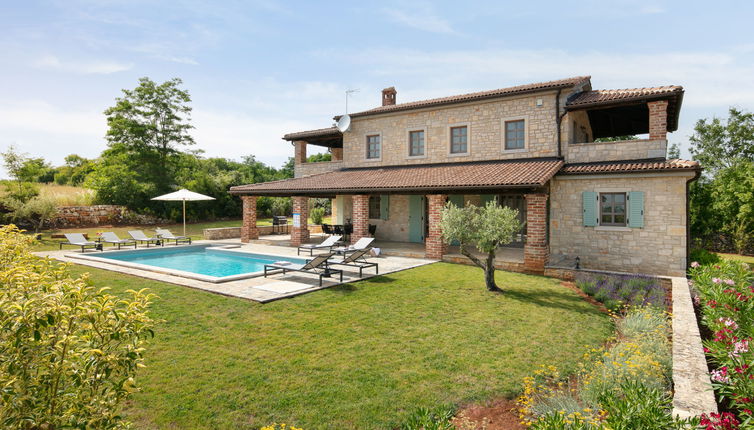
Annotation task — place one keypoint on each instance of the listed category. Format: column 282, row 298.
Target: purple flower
column 739, row 348
column 695, row 264
column 721, row 375
column 716, row 280
column 727, row 322
column 730, row 282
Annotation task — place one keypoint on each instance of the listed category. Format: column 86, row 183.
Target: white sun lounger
column 328, row 244
column 112, row 238
column 140, row 237
column 78, row 239
column 167, row 235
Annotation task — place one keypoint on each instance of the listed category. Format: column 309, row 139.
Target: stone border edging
column 692, row 392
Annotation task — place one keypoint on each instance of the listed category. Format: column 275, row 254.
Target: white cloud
column 420, row 16
column 102, row 67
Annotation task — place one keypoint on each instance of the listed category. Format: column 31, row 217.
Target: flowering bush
column 726, row 298
column 616, row 291
column 621, row 386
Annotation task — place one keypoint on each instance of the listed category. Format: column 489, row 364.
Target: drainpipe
column 558, row 119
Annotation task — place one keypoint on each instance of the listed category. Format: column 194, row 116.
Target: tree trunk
column 489, row 273
column 488, row 267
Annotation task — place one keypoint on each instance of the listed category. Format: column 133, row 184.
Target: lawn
column 359, row 356
column 748, row 259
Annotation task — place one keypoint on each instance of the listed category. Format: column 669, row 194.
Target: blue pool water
column 201, row 260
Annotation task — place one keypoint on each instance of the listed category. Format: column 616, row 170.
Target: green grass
column 748, row 259
column 194, row 230
column 358, row 356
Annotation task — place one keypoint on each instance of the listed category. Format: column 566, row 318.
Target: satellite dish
column 344, row 123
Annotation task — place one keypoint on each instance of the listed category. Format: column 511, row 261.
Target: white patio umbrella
column 184, row 196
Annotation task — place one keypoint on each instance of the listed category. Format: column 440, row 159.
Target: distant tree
column 37, row 170
column 14, row 163
column 718, row 144
column 733, row 202
column 674, row 151
column 485, row 228
column 316, row 158
column 287, row 171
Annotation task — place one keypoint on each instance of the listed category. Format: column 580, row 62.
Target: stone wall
column 306, row 169
column 658, row 248
column 611, row 151
column 485, row 121
column 86, row 216
column 395, row 228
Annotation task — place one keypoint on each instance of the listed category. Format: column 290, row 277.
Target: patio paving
column 259, row 289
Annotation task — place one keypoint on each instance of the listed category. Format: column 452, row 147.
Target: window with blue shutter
column 636, row 209
column 589, row 205
column 384, row 206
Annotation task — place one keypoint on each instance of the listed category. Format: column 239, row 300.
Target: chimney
column 388, row 96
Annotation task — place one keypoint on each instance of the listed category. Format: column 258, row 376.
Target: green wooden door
column 416, row 219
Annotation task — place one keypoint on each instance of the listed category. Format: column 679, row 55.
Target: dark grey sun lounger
column 112, row 238
column 140, row 237
column 167, row 235
column 78, row 239
column 356, row 259
column 317, row 266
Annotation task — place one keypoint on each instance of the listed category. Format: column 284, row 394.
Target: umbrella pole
column 184, row 217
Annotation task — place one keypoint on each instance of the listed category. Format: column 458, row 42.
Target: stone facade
column 307, row 169
column 484, row 119
column 613, row 151
column 657, row 248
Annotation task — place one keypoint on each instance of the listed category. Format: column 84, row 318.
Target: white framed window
column 459, row 139
column 515, row 134
column 613, row 209
column 417, row 143
column 373, row 146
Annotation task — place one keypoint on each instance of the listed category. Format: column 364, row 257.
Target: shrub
column 703, row 257
column 726, row 298
column 317, row 215
column 69, row 351
column 616, row 291
column 430, row 419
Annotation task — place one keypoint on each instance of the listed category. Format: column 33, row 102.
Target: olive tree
column 69, row 351
column 485, row 228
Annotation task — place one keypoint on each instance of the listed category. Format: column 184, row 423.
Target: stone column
column 300, row 234
column 658, row 120
column 536, row 249
column 249, row 230
column 434, row 246
column 360, row 213
column 337, row 154
column 300, row 153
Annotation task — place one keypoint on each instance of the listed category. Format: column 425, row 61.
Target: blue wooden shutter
column 636, row 209
column 456, row 199
column 589, row 204
column 487, row 198
column 384, row 206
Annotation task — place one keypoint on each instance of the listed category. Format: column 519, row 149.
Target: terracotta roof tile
column 432, row 177
column 608, row 96
column 320, row 132
column 629, row 166
column 528, row 88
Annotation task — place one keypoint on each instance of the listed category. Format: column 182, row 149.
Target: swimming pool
column 200, row 262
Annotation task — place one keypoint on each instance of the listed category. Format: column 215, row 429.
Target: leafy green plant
column 430, row 419
column 69, row 352
column 317, row 215
column 703, row 257
column 636, row 406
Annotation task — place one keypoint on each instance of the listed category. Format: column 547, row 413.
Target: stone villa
column 541, row 148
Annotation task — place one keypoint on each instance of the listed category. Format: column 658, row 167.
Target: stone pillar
column 360, row 213
column 337, row 154
column 658, row 120
column 300, row 154
column 300, row 234
column 536, row 249
column 434, row 246
column 249, row 230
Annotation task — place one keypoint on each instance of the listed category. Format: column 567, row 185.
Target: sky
column 259, row 69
